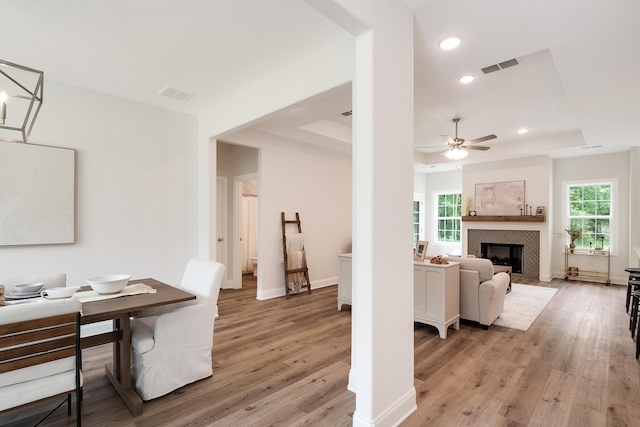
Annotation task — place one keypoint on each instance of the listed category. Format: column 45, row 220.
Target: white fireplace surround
column 529, row 238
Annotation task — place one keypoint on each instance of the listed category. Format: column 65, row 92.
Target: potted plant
column 574, row 234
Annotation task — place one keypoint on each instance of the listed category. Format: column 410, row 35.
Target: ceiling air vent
column 347, row 113
column 500, row 66
column 507, row 64
column 175, row 94
column 490, row 69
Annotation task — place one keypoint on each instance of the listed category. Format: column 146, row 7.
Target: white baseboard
column 276, row 293
column 546, row 277
column 392, row 416
column 230, row 284
column 324, row 283
column 352, row 386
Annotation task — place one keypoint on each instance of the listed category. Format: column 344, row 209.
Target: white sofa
column 481, row 291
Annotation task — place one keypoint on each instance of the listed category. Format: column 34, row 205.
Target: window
column 449, row 212
column 418, row 217
column 590, row 207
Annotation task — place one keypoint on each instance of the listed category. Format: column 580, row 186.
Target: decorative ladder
column 288, row 272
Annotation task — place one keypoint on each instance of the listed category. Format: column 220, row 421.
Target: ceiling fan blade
column 475, row 147
column 481, row 139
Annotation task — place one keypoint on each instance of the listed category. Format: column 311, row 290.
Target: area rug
column 523, row 305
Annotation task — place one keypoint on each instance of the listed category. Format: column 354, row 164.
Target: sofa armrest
column 469, row 288
column 491, row 298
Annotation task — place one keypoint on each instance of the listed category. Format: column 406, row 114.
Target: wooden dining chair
column 40, row 356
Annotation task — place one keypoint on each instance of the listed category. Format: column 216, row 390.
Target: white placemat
column 133, row 289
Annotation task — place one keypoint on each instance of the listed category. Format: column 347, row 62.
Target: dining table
column 120, row 310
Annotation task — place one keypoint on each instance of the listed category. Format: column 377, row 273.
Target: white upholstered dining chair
column 173, row 348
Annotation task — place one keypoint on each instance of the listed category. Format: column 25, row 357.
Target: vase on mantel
column 572, row 246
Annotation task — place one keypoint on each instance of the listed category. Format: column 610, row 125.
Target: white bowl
column 28, row 288
column 62, row 292
column 110, row 284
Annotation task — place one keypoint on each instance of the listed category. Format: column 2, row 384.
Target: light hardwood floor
column 286, row 362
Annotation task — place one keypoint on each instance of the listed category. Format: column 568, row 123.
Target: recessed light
column 467, row 78
column 450, row 43
column 523, row 131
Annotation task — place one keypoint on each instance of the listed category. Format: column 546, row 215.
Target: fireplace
column 528, row 239
column 504, row 254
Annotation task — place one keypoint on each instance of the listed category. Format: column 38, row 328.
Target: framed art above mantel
column 500, row 198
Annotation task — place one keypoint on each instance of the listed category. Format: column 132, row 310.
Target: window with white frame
column 448, row 217
column 589, row 208
column 418, row 217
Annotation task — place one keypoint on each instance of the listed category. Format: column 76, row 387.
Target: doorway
column 246, row 218
column 237, row 163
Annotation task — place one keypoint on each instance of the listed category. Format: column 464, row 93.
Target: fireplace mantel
column 505, row 218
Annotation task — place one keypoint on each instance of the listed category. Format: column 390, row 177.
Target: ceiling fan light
column 468, row 78
column 456, row 154
column 523, row 131
column 450, row 43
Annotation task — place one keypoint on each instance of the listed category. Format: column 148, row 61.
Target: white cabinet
column 436, row 292
column 344, row 280
column 436, row 295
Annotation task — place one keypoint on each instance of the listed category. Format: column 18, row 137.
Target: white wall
column 321, row 73
column 544, row 187
column 419, row 182
column 312, row 181
column 136, row 188
column 604, row 166
column 537, row 174
column 439, row 182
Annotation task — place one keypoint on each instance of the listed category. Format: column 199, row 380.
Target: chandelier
column 20, row 100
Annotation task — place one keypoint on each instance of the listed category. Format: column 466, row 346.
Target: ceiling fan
column 457, row 145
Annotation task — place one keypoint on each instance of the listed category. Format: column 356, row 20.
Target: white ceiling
column 577, row 84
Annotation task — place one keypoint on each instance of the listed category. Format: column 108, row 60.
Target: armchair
column 40, row 355
column 481, row 291
column 173, row 348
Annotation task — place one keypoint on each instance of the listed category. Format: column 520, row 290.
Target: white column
column 382, row 314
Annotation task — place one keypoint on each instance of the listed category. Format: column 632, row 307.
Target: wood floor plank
column 555, row 403
column 286, row 362
column 330, row 414
column 585, row 416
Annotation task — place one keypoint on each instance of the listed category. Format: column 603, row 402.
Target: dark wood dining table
column 120, row 310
